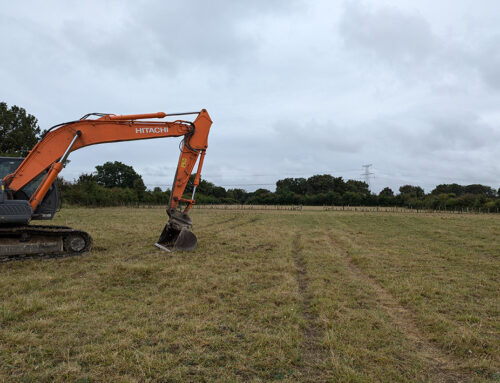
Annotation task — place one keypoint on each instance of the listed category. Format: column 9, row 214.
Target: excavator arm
column 54, row 148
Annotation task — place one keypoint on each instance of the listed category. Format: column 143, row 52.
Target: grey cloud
column 467, row 133
column 295, row 88
column 314, row 134
column 405, row 41
column 488, row 62
column 168, row 37
column 437, row 133
column 388, row 32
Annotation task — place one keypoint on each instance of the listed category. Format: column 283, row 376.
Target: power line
column 367, row 174
column 264, row 184
column 292, row 175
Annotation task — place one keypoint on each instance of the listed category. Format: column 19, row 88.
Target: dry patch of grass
column 285, row 296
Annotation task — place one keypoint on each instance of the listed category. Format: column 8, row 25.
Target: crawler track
column 37, row 241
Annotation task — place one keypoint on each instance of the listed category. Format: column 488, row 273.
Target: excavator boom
column 47, row 159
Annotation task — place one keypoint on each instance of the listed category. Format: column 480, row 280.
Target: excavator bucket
column 177, row 234
column 173, row 240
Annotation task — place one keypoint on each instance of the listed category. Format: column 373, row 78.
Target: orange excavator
column 27, row 190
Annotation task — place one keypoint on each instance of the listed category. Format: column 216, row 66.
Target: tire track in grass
column 311, row 352
column 443, row 367
column 252, row 220
column 226, row 221
column 213, row 230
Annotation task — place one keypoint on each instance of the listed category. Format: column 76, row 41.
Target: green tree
column 386, row 192
column 480, row 189
column 86, row 178
column 352, row 198
column 19, row 131
column 117, row 174
column 238, row 195
column 261, row 197
column 320, row 184
column 219, row 192
column 412, row 191
column 357, row 187
column 294, row 185
column 448, row 188
column 386, row 197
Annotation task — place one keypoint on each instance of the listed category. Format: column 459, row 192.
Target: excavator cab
column 21, row 214
column 12, row 212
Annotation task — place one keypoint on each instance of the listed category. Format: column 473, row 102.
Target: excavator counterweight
column 28, row 191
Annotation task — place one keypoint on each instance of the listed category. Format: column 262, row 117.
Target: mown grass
column 267, row 296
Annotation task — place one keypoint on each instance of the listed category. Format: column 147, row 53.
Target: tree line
column 114, row 184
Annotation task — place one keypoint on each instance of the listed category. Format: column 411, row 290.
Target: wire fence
column 398, row 209
column 338, row 208
column 251, row 207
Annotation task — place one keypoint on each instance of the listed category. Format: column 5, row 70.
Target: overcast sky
column 295, row 88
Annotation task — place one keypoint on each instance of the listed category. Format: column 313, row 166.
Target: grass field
column 267, row 296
